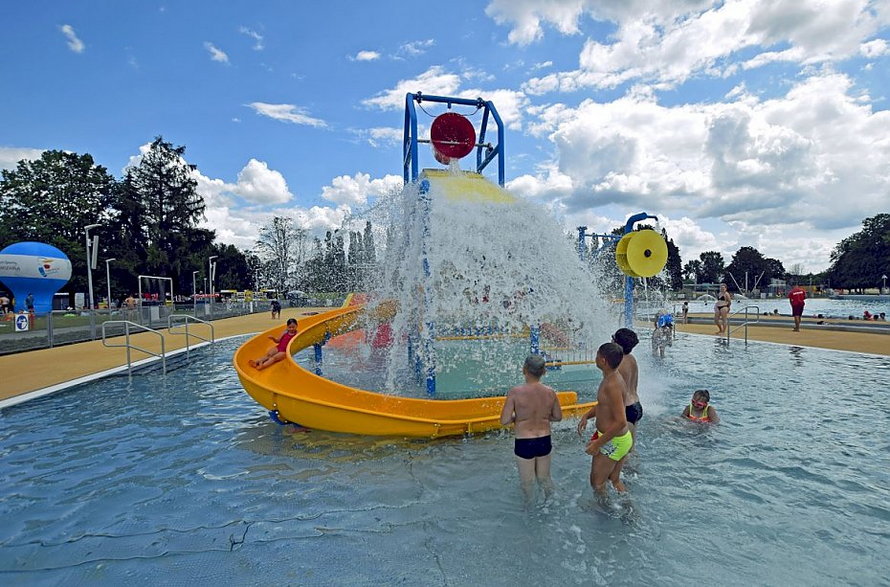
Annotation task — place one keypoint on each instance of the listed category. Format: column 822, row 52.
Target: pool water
column 184, row 479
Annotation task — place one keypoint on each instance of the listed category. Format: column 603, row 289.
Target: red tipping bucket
column 452, row 136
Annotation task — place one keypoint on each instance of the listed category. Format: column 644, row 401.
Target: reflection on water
column 185, row 479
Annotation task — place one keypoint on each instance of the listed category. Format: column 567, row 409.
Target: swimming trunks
column 633, row 412
column 797, row 309
column 529, row 448
column 617, row 448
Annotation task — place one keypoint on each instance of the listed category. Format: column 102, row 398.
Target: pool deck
column 34, row 373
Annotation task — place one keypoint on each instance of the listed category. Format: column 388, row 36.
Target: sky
column 760, row 123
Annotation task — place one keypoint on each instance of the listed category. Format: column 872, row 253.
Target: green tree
column 859, row 261
column 51, row 199
column 711, row 267
column 281, row 249
column 692, row 270
column 165, row 209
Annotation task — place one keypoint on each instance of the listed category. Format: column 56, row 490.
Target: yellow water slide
column 303, row 397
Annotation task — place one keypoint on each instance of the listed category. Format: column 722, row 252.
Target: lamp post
column 194, row 294
column 108, row 278
column 884, row 287
column 86, row 234
column 210, row 267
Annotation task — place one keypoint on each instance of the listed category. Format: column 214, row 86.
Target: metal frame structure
column 628, row 281
column 485, row 152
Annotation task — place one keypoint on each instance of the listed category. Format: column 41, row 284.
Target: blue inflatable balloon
column 36, row 269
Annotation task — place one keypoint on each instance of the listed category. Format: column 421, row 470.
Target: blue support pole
column 534, row 340
column 582, row 233
column 318, row 358
column 628, row 281
column 429, row 331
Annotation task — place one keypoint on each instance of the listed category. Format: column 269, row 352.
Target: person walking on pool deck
column 531, row 408
column 797, row 296
column 612, row 439
column 279, row 351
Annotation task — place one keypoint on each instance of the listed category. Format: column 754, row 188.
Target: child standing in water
column 531, row 407
column 699, row 409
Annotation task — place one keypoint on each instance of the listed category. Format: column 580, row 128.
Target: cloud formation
column 258, row 38
column 355, row 190
column 216, row 54
column 74, row 43
column 286, row 113
column 366, row 56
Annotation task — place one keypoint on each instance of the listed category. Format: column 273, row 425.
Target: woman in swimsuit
column 721, row 309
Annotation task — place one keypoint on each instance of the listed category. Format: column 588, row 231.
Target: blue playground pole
column 318, row 358
column 628, row 281
column 429, row 333
column 535, row 340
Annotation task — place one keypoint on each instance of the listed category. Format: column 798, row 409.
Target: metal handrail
column 743, row 324
column 188, row 318
column 127, row 324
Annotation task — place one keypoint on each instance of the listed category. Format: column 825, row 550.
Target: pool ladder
column 746, row 311
column 129, row 345
column 188, row 318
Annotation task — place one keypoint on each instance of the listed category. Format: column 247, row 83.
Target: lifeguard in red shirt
column 797, row 296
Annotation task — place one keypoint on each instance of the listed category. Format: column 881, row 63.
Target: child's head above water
column 701, row 398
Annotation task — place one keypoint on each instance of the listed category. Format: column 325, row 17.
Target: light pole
column 194, row 294
column 210, row 267
column 884, row 287
column 86, row 234
column 108, row 278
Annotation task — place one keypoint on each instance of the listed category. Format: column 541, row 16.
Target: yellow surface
column 304, row 398
column 467, row 186
column 641, row 254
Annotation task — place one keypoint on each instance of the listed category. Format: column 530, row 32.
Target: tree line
column 149, row 224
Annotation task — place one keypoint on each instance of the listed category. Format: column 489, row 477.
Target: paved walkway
column 38, row 370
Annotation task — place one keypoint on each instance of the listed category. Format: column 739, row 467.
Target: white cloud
column 667, row 43
column 415, row 48
column 74, row 43
column 286, row 113
column 216, row 54
column 261, row 185
column 435, row 81
column 258, row 38
column 366, row 56
column 357, row 189
column 10, row 156
column 757, row 164
column 874, row 48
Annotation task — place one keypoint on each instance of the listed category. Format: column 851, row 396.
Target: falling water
column 488, row 265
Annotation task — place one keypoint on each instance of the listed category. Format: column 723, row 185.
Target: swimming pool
column 185, row 479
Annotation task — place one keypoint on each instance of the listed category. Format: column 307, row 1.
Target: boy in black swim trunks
column 531, row 407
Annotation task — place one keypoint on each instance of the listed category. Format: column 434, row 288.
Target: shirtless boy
column 279, row 351
column 612, row 440
column 531, row 407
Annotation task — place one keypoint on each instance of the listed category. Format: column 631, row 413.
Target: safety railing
column 187, row 319
column 129, row 345
column 747, row 311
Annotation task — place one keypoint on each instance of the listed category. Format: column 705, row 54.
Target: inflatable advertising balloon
column 37, row 269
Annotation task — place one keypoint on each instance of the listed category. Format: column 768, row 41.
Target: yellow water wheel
column 641, row 254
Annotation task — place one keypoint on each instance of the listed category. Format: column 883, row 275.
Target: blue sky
column 745, row 123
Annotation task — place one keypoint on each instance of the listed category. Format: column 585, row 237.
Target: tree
column 859, row 261
column 51, row 199
column 165, row 208
column 281, row 249
column 711, row 267
column 692, row 270
column 674, row 264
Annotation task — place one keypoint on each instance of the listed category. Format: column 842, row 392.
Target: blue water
column 184, row 479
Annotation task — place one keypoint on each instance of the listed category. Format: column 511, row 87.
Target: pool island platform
column 41, row 372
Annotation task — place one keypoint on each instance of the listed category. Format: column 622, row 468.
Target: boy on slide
column 279, row 351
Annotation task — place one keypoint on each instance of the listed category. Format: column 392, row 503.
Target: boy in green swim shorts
column 612, row 440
